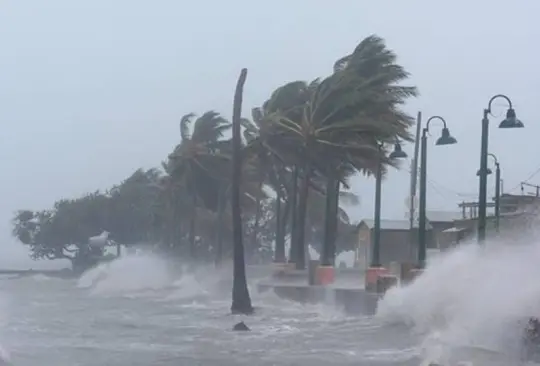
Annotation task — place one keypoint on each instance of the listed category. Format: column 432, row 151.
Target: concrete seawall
column 353, row 301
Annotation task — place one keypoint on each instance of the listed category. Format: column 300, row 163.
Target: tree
column 339, row 127
column 198, row 164
column 266, row 144
column 303, row 143
column 241, row 301
column 132, row 207
column 126, row 212
column 370, row 117
column 63, row 232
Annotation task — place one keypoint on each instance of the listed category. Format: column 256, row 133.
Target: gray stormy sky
column 92, row 90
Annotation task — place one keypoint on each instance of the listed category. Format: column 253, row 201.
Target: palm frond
column 185, row 122
column 209, row 127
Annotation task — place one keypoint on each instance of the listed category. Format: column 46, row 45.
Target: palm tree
column 241, row 301
column 265, row 141
column 198, row 163
column 269, row 170
column 374, row 117
column 169, row 210
column 339, row 127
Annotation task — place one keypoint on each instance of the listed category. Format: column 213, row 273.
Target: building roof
column 444, row 216
column 392, row 224
column 503, row 215
column 454, row 230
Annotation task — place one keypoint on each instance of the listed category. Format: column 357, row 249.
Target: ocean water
column 467, row 307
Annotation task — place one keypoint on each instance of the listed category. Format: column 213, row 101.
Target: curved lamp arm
column 431, row 119
column 497, row 97
column 494, row 158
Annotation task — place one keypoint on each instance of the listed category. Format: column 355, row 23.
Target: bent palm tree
column 198, row 163
column 344, row 119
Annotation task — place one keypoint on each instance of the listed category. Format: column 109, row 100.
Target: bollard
column 326, row 275
column 371, row 276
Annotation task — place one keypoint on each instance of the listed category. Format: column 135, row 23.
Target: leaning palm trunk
column 192, row 224
column 282, row 232
column 219, row 227
column 294, row 223
column 301, row 224
column 241, row 301
column 175, row 230
column 330, row 222
column 279, row 255
column 258, row 212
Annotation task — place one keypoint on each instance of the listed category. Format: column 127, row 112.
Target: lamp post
column 497, row 192
column 509, row 122
column 445, row 139
column 398, row 153
column 498, row 181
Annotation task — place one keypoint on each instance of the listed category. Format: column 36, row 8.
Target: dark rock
column 241, row 327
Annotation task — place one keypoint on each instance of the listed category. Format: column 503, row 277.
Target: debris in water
column 241, row 327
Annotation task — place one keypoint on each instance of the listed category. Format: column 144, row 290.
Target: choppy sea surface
column 466, row 307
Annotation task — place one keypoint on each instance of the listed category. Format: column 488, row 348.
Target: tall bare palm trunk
column 241, row 301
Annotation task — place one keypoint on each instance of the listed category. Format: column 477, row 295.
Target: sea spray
column 473, row 296
column 127, row 274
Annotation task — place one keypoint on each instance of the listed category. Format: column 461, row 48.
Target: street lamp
column 509, row 122
column 445, row 139
column 398, row 153
column 497, row 192
column 497, row 189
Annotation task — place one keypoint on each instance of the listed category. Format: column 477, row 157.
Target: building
column 446, row 234
column 513, row 203
column 517, row 214
column 398, row 243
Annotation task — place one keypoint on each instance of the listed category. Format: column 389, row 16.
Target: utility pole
column 414, row 179
column 535, row 186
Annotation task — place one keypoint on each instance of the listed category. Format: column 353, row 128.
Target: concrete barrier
column 351, row 301
column 285, row 273
column 356, row 301
column 291, row 275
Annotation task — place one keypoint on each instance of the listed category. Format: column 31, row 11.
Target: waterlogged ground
column 52, row 322
column 133, row 313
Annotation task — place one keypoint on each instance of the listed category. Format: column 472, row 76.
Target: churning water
column 471, row 300
column 139, row 310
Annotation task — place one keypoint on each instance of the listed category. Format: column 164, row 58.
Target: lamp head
column 511, row 121
column 398, row 153
column 446, row 138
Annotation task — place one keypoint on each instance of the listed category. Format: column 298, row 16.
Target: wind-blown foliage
column 300, row 149
column 332, row 127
